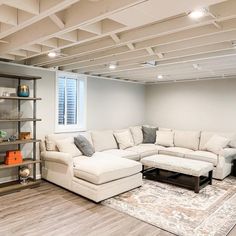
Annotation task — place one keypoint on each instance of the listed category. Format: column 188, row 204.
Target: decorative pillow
column 137, row 134
column 216, row 144
column 84, row 145
column 68, row 146
column 149, row 134
column 124, row 139
column 165, row 138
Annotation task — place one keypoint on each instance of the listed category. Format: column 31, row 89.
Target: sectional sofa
column 111, row 170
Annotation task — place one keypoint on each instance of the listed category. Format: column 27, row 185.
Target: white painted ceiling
column 88, row 35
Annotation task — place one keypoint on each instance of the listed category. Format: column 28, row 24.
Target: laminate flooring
column 53, row 211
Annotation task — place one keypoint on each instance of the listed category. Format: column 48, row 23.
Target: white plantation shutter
column 72, row 98
column 70, row 102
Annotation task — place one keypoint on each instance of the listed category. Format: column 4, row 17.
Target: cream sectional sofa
column 111, row 171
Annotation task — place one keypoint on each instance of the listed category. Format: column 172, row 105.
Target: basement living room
column 117, row 117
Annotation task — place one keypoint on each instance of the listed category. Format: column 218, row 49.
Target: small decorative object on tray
column 23, row 91
column 12, row 138
column 13, row 157
column 24, row 173
column 25, row 135
column 3, row 135
column 5, row 94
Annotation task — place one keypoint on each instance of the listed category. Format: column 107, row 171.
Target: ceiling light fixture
column 160, row 76
column 196, row 14
column 52, row 54
column 112, row 65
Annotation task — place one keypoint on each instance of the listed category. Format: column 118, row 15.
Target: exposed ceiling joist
column 57, row 21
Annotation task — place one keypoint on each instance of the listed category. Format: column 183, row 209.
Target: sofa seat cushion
column 175, row 151
column 123, row 153
column 144, row 150
column 203, row 156
column 103, row 169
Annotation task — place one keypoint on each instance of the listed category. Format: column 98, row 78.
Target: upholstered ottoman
column 196, row 169
column 101, row 178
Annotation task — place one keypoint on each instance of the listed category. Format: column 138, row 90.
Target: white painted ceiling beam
column 8, row 15
column 164, row 39
column 142, row 53
column 75, row 17
column 115, row 38
column 47, row 8
column 31, row 6
column 176, row 46
column 193, row 59
column 57, row 21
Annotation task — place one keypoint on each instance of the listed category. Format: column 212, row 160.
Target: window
column 71, row 102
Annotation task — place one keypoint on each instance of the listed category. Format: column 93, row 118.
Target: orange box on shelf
column 13, row 157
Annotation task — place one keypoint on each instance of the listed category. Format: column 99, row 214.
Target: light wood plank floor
column 52, row 211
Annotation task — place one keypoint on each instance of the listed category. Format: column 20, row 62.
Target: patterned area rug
column 181, row 211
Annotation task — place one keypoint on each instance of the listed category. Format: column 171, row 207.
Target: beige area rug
column 181, row 211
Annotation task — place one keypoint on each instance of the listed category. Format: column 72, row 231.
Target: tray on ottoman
column 191, row 174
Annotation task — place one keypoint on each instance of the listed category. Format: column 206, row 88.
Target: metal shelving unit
column 33, row 182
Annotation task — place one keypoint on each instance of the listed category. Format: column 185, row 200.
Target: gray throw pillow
column 149, row 134
column 84, row 145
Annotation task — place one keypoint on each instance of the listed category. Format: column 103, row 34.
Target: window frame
column 81, row 103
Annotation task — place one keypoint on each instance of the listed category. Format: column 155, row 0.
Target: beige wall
column 200, row 105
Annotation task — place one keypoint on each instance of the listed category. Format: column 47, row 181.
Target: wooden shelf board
column 20, row 120
column 19, row 98
column 15, row 185
column 5, row 143
column 25, row 162
column 19, row 76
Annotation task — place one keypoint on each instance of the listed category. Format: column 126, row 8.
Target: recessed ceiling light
column 112, row 65
column 52, row 54
column 160, row 76
column 196, row 14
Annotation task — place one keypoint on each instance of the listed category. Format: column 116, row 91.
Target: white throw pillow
column 124, row 139
column 68, row 146
column 137, row 134
column 216, row 144
column 165, row 138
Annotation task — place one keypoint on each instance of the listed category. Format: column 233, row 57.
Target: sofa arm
column 58, row 157
column 228, row 153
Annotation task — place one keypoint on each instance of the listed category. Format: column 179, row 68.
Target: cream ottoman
column 200, row 171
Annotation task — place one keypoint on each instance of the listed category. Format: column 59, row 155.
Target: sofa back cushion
column 187, row 139
column 124, row 139
column 137, row 134
column 51, row 139
column 206, row 136
column 165, row 138
column 103, row 140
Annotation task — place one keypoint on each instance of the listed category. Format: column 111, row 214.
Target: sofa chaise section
column 98, row 177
